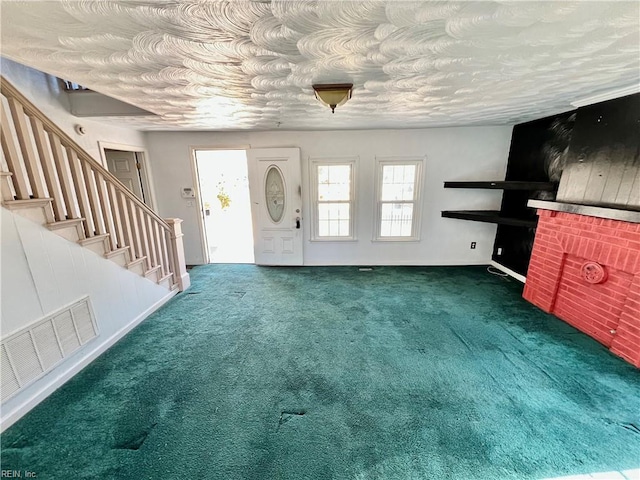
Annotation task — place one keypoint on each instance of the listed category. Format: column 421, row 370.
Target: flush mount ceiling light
column 333, row 94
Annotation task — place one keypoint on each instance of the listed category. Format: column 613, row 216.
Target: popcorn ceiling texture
column 250, row 65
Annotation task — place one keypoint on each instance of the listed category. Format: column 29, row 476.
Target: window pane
column 333, row 192
column 333, row 211
column 333, row 219
column 389, row 173
column 323, row 174
column 397, row 191
column 274, row 194
column 333, row 228
column 339, row 173
column 396, row 220
column 398, row 182
column 334, row 182
column 409, row 173
column 338, row 228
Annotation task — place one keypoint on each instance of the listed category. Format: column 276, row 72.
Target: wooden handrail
column 45, row 163
column 9, row 91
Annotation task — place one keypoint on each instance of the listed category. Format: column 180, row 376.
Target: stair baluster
column 79, row 198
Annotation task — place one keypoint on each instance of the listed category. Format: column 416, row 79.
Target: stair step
column 38, row 210
column 71, row 229
column 120, row 256
column 137, row 265
column 97, row 243
column 167, row 281
column 153, row 274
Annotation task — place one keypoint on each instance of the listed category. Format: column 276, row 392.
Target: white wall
column 46, row 93
column 40, row 273
column 466, row 153
column 469, row 153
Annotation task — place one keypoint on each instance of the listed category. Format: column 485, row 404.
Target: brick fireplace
column 585, row 270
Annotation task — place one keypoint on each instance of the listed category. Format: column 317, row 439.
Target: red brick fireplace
column 586, row 270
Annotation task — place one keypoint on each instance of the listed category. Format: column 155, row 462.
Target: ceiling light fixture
column 333, row 94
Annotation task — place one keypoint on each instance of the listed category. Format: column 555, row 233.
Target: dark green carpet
column 331, row 373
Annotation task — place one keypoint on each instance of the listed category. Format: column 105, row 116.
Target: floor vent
column 28, row 354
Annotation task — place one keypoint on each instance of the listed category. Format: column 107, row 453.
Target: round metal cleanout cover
column 593, row 272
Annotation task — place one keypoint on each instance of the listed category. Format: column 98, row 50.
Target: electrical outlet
column 499, row 251
column 473, row 245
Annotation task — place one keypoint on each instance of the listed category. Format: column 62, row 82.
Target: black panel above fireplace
column 603, row 166
column 537, row 154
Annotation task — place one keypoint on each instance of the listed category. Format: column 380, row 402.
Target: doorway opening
column 223, row 180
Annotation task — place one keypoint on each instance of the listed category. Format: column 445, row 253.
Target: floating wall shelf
column 489, row 216
column 494, row 216
column 504, row 185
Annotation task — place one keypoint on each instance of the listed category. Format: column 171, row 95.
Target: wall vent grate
column 31, row 352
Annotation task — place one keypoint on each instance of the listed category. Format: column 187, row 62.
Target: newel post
column 177, row 251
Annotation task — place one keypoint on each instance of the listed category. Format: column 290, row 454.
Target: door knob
column 297, row 222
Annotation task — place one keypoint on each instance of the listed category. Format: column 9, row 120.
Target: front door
column 276, row 205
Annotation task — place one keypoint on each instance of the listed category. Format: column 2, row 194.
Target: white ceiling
column 234, row 65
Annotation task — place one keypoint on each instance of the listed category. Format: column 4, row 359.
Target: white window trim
column 313, row 181
column 417, row 202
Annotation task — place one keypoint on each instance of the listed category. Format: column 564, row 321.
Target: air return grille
column 33, row 351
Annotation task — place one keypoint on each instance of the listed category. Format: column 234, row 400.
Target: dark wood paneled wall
column 537, row 154
column 603, row 164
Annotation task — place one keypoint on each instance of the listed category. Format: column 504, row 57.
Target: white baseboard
column 408, row 263
column 51, row 383
column 509, row 272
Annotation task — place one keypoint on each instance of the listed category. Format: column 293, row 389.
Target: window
column 333, row 194
column 398, row 199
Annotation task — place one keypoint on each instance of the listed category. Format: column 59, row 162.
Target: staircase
column 48, row 178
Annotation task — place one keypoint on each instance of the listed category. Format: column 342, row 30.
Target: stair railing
column 42, row 162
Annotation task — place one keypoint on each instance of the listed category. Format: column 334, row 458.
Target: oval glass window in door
column 274, row 193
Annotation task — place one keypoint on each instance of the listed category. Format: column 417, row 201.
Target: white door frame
column 196, row 188
column 145, row 171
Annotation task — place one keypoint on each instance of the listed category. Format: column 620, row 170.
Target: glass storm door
column 276, row 205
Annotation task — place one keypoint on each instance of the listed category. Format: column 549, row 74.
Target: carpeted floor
column 331, row 373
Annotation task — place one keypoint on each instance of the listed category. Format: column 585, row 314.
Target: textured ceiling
column 233, row 65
